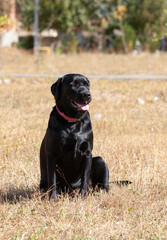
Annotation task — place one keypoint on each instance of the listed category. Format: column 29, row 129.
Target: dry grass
column 131, row 137
column 16, row 61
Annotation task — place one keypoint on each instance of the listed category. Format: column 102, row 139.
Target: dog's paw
column 83, row 193
column 53, row 196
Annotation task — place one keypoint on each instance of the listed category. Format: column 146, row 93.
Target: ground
column 19, row 61
column 130, row 136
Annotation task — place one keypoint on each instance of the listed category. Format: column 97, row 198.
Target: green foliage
column 5, row 22
column 26, row 42
column 117, row 43
column 26, row 12
column 64, row 15
column 154, row 45
column 146, row 17
column 143, row 18
column 68, row 44
column 130, row 36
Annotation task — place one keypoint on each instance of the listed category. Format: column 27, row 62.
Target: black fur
column 66, row 161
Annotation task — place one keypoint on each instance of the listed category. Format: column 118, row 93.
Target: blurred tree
column 67, row 16
column 147, row 17
column 120, row 14
column 64, row 15
column 5, row 23
column 4, row 7
column 6, row 18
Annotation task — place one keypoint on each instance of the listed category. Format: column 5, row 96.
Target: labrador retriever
column 66, row 161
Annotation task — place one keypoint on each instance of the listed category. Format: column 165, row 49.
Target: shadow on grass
column 15, row 194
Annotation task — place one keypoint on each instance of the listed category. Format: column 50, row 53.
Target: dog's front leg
column 85, row 176
column 51, row 167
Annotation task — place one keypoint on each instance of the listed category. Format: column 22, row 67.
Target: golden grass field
column 131, row 137
column 17, row 61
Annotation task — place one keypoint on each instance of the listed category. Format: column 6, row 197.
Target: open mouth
column 84, row 106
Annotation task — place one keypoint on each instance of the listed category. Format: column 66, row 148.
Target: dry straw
column 131, row 137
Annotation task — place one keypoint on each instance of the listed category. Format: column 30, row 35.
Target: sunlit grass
column 131, row 137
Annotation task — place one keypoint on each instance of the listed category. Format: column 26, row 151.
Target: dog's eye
column 76, row 84
column 87, row 85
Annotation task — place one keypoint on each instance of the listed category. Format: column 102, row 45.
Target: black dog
column 66, row 161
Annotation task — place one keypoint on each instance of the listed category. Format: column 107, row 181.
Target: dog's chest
column 73, row 140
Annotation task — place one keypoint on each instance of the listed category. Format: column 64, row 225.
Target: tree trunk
column 123, row 37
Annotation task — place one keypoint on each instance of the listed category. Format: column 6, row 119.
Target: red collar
column 65, row 117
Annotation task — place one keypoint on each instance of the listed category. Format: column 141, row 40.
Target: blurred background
column 92, row 37
column 64, row 26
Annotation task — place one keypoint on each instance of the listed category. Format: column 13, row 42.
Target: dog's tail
column 121, row 183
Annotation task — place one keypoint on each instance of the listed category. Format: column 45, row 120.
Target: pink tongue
column 84, row 107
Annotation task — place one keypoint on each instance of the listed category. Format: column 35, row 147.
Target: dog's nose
column 87, row 95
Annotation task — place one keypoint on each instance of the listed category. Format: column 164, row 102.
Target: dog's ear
column 55, row 88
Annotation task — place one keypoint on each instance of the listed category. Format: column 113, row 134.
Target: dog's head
column 72, row 93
